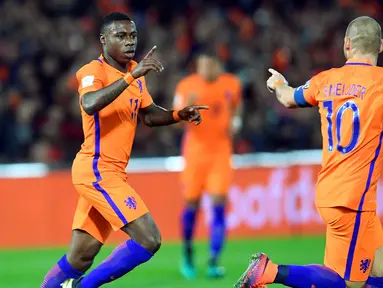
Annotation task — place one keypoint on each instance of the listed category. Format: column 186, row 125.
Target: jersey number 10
column 338, row 125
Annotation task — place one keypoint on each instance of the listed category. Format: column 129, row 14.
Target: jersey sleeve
column 91, row 77
column 147, row 99
column 305, row 95
column 237, row 88
column 179, row 97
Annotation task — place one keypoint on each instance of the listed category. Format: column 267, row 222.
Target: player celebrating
column 207, row 151
column 350, row 104
column 112, row 94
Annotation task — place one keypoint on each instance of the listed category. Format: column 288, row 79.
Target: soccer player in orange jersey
column 350, row 101
column 207, row 151
column 113, row 95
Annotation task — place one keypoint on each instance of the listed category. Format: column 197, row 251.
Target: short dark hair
column 365, row 34
column 114, row 16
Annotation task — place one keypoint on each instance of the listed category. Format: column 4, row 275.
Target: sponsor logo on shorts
column 131, row 203
column 364, row 265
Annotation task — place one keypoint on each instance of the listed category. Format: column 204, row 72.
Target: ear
column 102, row 38
column 381, row 46
column 347, row 43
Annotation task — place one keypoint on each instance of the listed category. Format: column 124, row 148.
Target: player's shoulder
column 377, row 72
column 230, row 77
column 324, row 75
column 189, row 80
column 95, row 67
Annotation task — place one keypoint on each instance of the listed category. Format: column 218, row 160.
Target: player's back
column 222, row 96
column 350, row 102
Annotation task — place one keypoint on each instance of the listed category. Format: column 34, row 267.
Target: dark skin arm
column 94, row 101
column 154, row 115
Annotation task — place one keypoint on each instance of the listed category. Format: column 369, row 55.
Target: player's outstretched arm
column 278, row 84
column 154, row 115
column 94, row 101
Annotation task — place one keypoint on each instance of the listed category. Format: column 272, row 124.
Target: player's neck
column 210, row 79
column 121, row 67
column 373, row 59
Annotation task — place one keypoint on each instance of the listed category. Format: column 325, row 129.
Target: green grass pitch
column 26, row 268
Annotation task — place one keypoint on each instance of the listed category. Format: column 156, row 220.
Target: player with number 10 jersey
column 350, row 101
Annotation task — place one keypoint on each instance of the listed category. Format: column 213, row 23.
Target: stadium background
column 43, row 43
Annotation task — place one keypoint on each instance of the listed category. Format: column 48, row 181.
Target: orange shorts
column 351, row 241
column 106, row 205
column 210, row 173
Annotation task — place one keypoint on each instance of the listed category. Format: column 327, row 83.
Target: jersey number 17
column 337, row 118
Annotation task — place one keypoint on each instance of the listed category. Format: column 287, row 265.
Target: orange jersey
column 350, row 101
column 222, row 96
column 108, row 134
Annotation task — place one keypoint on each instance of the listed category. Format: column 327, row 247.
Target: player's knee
column 192, row 204
column 81, row 261
column 219, row 199
column 82, row 251
column 152, row 242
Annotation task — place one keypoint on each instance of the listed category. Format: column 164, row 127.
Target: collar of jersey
column 102, row 60
column 355, row 61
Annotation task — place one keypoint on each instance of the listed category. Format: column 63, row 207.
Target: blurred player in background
column 207, row 151
column 350, row 101
column 112, row 94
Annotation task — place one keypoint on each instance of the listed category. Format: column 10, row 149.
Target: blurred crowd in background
column 44, row 42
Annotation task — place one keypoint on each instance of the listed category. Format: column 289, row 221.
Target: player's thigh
column 349, row 250
column 194, row 177
column 220, row 177
column 116, row 201
column 88, row 219
column 354, row 284
column 144, row 231
column 377, row 266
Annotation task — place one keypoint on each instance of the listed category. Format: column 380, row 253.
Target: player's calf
column 76, row 262
column 217, row 235
column 188, row 220
column 145, row 241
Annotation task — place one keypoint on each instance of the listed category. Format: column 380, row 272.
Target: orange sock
column 270, row 273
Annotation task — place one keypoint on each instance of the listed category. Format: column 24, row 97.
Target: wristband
column 129, row 78
column 176, row 116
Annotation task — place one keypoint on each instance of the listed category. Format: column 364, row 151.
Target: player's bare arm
column 236, row 121
column 285, row 94
column 94, row 101
column 154, row 115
